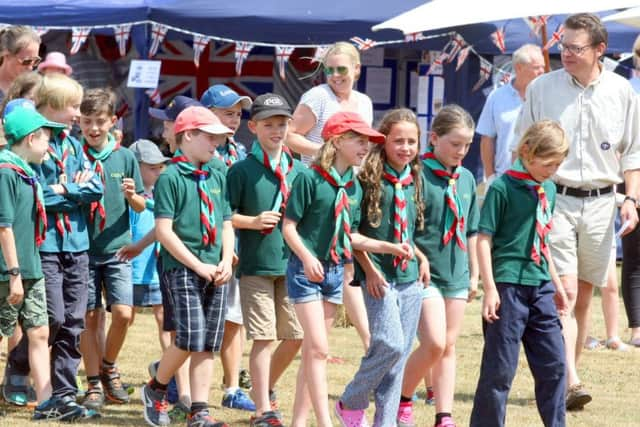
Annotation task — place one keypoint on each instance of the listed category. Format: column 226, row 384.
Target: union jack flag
column 242, row 50
column 158, row 32
column 536, row 23
column 363, row 44
column 282, row 56
column 456, row 43
column 318, row 54
column 78, row 37
column 555, row 38
column 414, row 37
column 199, row 44
column 180, row 76
column 121, row 33
column 497, row 37
column 462, row 57
column 485, row 73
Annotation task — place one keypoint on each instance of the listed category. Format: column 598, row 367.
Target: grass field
column 612, row 377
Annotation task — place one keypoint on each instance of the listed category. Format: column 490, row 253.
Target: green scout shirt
column 311, row 205
column 449, row 265
column 384, row 263
column 18, row 211
column 116, row 234
column 176, row 197
column 509, row 216
column 217, row 164
column 252, row 189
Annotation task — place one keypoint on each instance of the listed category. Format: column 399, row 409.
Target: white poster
column 144, row 73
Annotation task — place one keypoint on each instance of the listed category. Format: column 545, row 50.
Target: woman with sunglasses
column 341, row 66
column 19, row 46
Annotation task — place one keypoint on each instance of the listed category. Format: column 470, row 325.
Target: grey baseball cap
column 148, row 152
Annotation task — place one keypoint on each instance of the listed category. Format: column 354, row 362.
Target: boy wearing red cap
column 193, row 225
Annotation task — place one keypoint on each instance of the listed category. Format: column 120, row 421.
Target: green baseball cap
column 22, row 121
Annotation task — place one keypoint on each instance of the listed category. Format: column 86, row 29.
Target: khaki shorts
column 31, row 312
column 582, row 236
column 266, row 310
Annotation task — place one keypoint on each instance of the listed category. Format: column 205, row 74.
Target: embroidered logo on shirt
column 215, row 191
column 605, row 146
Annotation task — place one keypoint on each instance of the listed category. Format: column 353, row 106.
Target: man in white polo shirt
column 500, row 112
column 600, row 114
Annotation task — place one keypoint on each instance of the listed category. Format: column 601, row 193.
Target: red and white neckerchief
column 199, row 44
column 122, row 32
column 78, row 37
column 497, row 37
column 158, row 33
column 241, row 54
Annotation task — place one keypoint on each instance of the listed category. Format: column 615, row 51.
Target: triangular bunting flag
column 242, row 52
column 158, row 32
column 462, row 57
column 121, row 33
column 497, row 37
column 41, row 31
column 485, row 73
column 506, row 77
column 536, row 23
column 282, row 56
column 78, row 37
column 199, row 44
column 555, row 38
column 154, row 96
column 318, row 55
column 436, row 66
column 414, row 37
column 457, row 43
column 363, row 44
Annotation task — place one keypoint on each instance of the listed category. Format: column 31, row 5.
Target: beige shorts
column 266, row 310
column 582, row 236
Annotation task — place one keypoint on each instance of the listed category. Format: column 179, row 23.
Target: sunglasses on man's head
column 32, row 62
column 341, row 69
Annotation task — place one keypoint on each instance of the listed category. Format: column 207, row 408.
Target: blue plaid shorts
column 199, row 309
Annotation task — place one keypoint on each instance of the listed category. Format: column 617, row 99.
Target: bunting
column 319, row 53
column 41, row 31
column 242, row 52
column 436, row 66
column 536, row 23
column 199, row 44
column 363, row 44
column 462, row 57
column 121, row 33
column 485, row 73
column 457, row 43
column 158, row 32
column 497, row 37
column 78, row 37
column 282, row 57
column 414, row 37
column 555, row 38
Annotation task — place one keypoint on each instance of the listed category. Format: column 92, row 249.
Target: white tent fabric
column 629, row 17
column 439, row 14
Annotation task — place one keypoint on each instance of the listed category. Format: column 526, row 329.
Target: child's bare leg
column 259, row 365
column 281, row 359
column 200, row 372
column 354, row 306
column 89, row 343
column 120, row 320
column 182, row 377
column 164, row 337
column 231, row 353
column 610, row 301
column 39, row 361
column 172, row 359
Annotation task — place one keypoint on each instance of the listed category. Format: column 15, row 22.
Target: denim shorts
column 199, row 309
column 301, row 289
column 434, row 291
column 114, row 276
column 147, row 295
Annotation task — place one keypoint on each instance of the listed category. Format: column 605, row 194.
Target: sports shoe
column 273, row 401
column 179, row 412
column 267, row 419
column 114, row 390
column 350, row 418
column 238, row 400
column 203, row 419
column 577, row 397
column 94, row 397
column 60, row 409
column 155, row 407
column 405, row 415
column 244, row 379
column 431, row 397
column 15, row 389
column 446, row 422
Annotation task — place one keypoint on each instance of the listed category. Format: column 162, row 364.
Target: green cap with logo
column 22, row 121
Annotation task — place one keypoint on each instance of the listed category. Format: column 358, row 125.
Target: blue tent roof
column 66, row 13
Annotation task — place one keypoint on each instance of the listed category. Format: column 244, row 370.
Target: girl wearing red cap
column 392, row 209
column 323, row 209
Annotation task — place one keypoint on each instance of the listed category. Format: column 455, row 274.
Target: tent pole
column 545, row 52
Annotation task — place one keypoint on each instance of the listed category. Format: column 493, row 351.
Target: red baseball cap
column 202, row 119
column 346, row 121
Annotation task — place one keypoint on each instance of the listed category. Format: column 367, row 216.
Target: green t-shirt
column 218, row 165
column 384, row 263
column 116, row 234
column 252, row 190
column 509, row 216
column 311, row 205
column 176, row 197
column 18, row 211
column 449, row 265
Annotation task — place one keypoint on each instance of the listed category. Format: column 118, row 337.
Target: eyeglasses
column 574, row 50
column 340, row 69
column 30, row 62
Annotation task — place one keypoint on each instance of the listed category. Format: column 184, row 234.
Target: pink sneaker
column 446, row 422
column 405, row 415
column 350, row 418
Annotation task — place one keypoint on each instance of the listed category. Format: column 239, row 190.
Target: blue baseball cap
column 18, row 102
column 222, row 96
column 174, row 108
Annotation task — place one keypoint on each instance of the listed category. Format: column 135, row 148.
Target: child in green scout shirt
column 193, row 225
column 449, row 242
column 392, row 209
column 258, row 191
column 520, row 282
column 109, row 231
column 322, row 213
column 23, row 224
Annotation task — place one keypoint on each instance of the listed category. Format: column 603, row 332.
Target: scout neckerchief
column 454, row 216
column 400, row 222
column 280, row 169
column 63, row 222
column 10, row 160
column 207, row 220
column 96, row 158
column 543, row 210
column 228, row 153
column 341, row 241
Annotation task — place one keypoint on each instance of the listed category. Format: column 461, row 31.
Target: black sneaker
column 203, row 419
column 60, row 409
column 267, row 419
column 155, row 407
column 114, row 390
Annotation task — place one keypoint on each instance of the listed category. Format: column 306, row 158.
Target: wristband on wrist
column 633, row 199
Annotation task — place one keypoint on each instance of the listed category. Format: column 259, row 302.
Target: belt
column 578, row 192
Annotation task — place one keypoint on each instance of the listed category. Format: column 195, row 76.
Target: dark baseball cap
column 174, row 108
column 269, row 105
column 148, row 152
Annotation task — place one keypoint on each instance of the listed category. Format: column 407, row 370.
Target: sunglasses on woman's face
column 30, row 62
column 341, row 70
